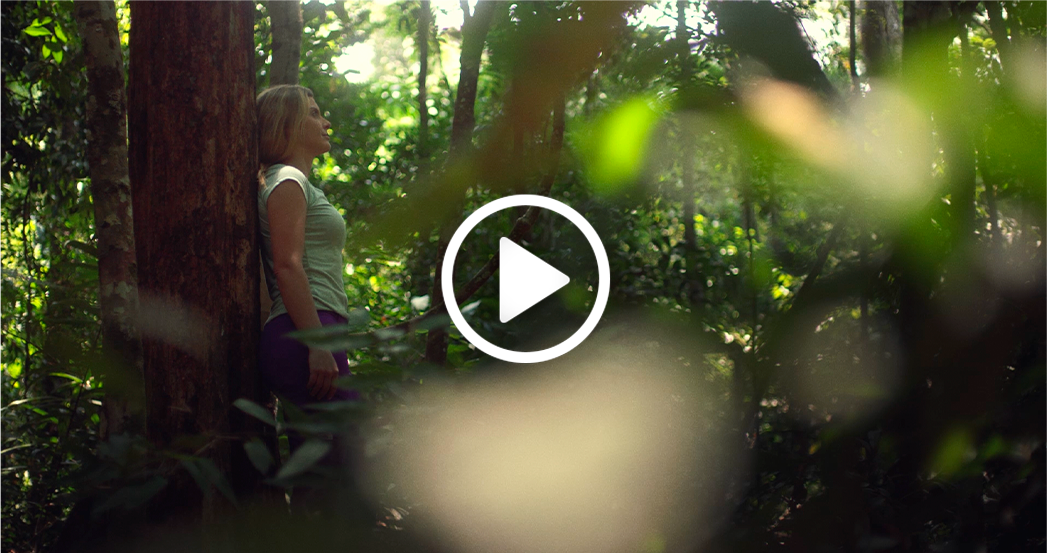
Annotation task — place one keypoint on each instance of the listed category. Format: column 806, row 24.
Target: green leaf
column 291, row 411
column 57, row 55
column 75, row 379
column 954, row 450
column 45, row 51
column 259, row 455
column 37, row 31
column 14, row 369
column 131, row 497
column 13, row 448
column 255, row 410
column 339, row 406
column 436, row 321
column 305, row 458
column 314, row 427
column 198, row 475
column 616, row 147
column 358, row 318
column 334, row 338
column 993, row 447
column 207, row 475
column 61, row 34
column 386, row 334
column 217, row 479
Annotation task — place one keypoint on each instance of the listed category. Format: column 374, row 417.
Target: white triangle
column 523, row 280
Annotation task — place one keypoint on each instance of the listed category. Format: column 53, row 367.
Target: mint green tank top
column 324, row 241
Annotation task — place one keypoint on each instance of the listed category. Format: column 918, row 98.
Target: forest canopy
column 825, row 229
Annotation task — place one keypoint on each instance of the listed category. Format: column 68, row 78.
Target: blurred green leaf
column 215, row 477
column 37, row 31
column 616, row 148
column 952, row 452
column 259, row 455
column 307, row 455
column 131, row 497
column 198, row 476
column 255, row 410
column 334, row 338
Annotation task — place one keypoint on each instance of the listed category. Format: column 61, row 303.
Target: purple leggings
column 284, row 362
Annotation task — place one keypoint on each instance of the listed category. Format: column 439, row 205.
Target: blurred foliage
column 875, row 349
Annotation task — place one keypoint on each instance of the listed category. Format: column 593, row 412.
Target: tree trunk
column 999, row 32
column 424, row 18
column 963, row 175
column 193, row 166
column 592, row 92
column 474, row 34
column 853, row 49
column 286, row 20
column 881, row 37
column 695, row 282
column 106, row 109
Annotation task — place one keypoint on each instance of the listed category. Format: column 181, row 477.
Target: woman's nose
column 327, row 124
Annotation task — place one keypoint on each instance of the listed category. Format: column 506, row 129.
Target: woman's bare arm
column 286, row 207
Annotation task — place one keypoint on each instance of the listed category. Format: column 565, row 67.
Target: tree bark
column 286, row 21
column 106, row 112
column 881, row 37
column 474, row 34
column 193, row 167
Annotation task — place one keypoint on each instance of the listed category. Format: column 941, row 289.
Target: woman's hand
column 322, row 372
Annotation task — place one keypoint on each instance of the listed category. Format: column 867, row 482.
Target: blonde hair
column 281, row 111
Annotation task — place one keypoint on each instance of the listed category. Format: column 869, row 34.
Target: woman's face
column 314, row 140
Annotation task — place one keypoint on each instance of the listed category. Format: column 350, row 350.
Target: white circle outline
column 602, row 264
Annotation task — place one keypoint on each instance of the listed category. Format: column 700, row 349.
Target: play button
column 523, row 280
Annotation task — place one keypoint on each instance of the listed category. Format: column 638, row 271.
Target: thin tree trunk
column 106, row 109
column 990, row 199
column 852, row 56
column 688, row 149
column 863, row 306
column 999, row 32
column 963, row 155
column 424, row 17
column 474, row 34
column 925, row 27
column 592, row 92
column 286, row 20
column 193, row 167
column 881, row 37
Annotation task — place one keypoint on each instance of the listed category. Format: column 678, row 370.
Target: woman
column 302, row 240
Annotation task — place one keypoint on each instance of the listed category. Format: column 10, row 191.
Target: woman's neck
column 301, row 163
